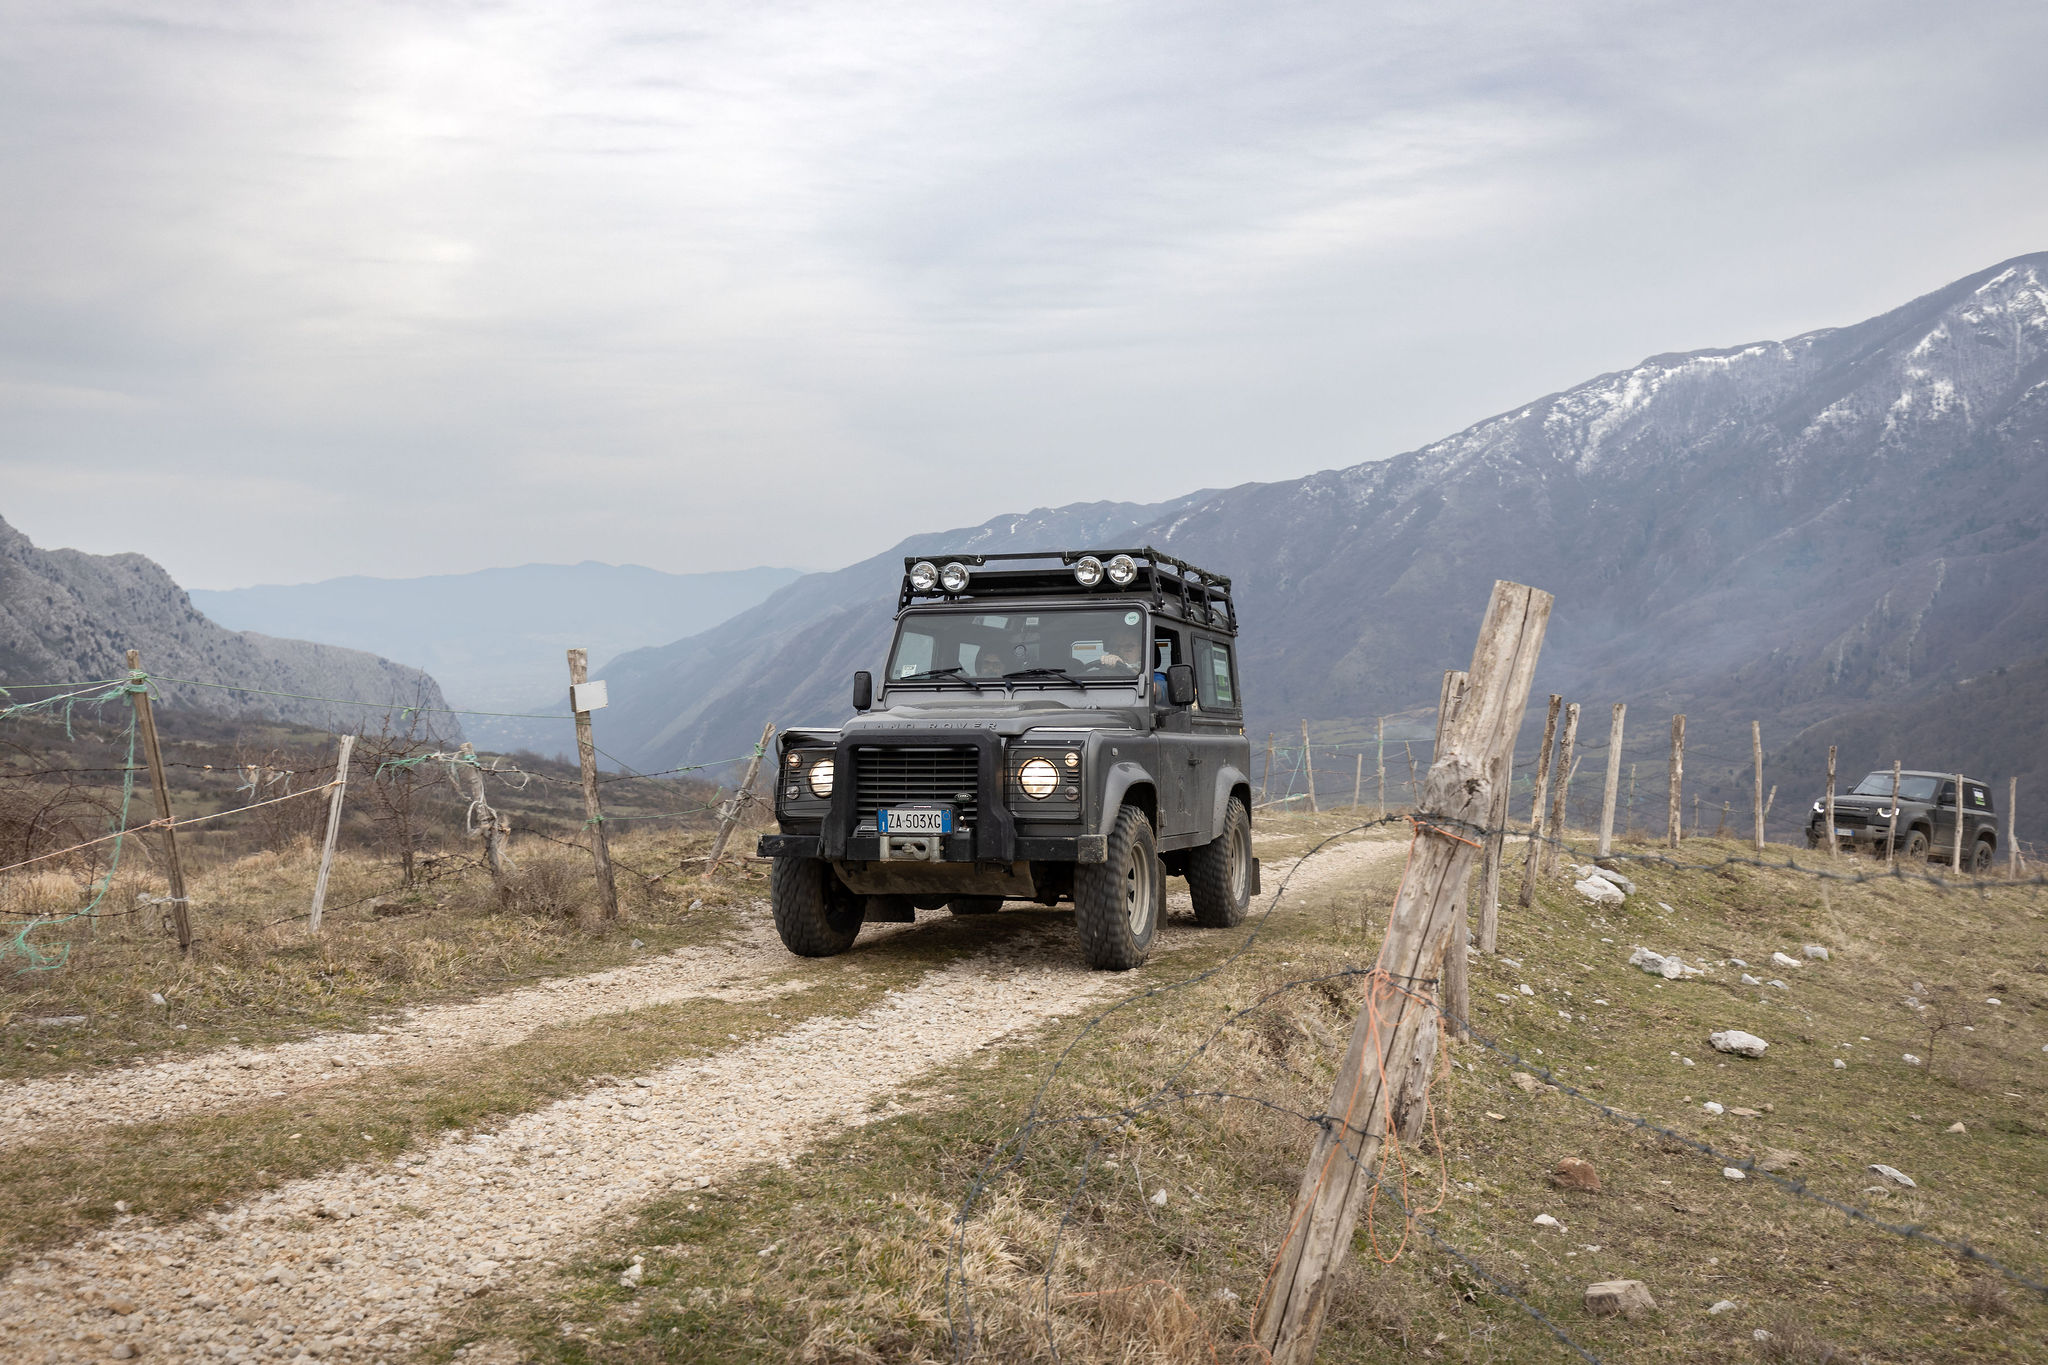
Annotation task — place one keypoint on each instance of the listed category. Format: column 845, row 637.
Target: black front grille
column 910, row 776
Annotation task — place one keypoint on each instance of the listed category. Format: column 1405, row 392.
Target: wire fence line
column 102, row 858
column 1011, row 1152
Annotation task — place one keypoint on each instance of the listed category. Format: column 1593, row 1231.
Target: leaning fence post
column 741, row 798
column 1308, row 757
column 341, row 758
column 1457, row 972
column 145, row 719
column 1378, row 1064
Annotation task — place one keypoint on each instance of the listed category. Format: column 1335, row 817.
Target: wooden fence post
column 1457, row 971
column 2012, row 838
column 593, row 812
column 1536, row 805
column 1553, row 833
column 742, row 798
column 1613, row 788
column 145, row 720
column 1414, row 777
column 1308, row 757
column 1358, row 782
column 1288, row 1317
column 1955, row 860
column 348, row 747
column 1380, row 748
column 1675, row 829
column 1266, row 778
column 1756, row 751
column 1828, row 802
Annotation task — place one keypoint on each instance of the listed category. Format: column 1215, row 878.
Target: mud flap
column 1255, row 877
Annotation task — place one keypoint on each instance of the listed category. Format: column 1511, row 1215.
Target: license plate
column 915, row 820
column 1841, row 833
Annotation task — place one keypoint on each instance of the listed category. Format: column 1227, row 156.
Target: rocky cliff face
column 68, row 615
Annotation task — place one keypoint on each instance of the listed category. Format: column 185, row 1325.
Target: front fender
column 1123, row 776
column 1228, row 780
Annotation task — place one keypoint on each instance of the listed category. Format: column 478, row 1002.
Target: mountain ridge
column 66, row 615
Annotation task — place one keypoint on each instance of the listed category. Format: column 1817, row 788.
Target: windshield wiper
column 1044, row 673
column 955, row 673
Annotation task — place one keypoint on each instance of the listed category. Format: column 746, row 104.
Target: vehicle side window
column 1947, row 795
column 1214, row 682
column 1979, row 799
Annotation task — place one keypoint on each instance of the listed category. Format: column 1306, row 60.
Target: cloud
column 482, row 283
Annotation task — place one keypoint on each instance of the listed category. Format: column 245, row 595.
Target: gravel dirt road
column 363, row 1263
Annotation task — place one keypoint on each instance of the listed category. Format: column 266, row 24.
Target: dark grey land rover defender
column 1926, row 822
column 1062, row 726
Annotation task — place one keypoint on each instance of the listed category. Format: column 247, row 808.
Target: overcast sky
column 288, row 292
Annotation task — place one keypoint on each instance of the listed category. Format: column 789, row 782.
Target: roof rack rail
column 1170, row 585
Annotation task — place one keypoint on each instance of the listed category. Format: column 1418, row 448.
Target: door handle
column 1194, row 760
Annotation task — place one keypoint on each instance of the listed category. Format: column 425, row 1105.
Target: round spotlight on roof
column 923, row 575
column 1087, row 571
column 953, row 578
column 1123, row 571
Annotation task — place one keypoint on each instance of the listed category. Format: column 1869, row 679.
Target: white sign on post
column 587, row 696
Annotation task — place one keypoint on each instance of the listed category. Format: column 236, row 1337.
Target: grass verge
column 1162, row 1253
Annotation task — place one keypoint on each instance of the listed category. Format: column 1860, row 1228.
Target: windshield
column 1087, row 644
column 1911, row 788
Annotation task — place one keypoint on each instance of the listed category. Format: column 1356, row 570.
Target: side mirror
column 1180, row 684
column 863, row 690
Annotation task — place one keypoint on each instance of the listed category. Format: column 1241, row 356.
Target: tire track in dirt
column 365, row 1262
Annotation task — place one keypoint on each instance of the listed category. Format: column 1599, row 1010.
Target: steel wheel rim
column 1239, row 863
column 1137, row 894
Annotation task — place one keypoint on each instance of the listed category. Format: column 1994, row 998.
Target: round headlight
column 1818, row 808
column 1087, row 571
column 1123, row 570
column 953, row 577
column 1039, row 779
column 923, row 575
column 821, row 777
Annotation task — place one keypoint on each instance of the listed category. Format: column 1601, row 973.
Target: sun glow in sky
column 292, row 292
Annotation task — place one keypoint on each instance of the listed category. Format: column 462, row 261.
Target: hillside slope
column 495, row 638
column 66, row 615
column 1787, row 530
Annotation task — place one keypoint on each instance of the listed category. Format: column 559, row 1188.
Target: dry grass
column 257, row 974
column 861, row 1229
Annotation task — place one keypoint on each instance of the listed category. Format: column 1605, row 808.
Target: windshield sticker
column 1130, row 618
column 1088, row 651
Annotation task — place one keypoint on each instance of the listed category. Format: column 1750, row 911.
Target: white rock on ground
column 1720, row 1307
column 1735, row 1041
column 1815, row 953
column 1895, row 1175
column 1781, row 960
column 1599, row 890
column 1749, row 980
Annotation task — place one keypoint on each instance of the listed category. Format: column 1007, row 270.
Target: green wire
column 375, row 705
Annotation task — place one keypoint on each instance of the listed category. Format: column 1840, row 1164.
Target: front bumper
column 866, row 846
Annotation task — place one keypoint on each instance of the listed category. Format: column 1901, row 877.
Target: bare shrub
column 1789, row 1340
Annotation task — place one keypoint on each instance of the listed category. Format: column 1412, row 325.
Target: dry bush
column 1791, row 1341
column 1984, row 1296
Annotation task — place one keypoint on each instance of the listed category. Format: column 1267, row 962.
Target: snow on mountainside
column 1784, row 530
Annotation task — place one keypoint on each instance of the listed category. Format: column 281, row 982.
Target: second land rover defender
column 1065, row 726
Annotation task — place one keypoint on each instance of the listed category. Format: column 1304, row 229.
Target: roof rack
column 1170, row 585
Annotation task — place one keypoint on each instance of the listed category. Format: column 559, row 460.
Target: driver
column 1122, row 651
